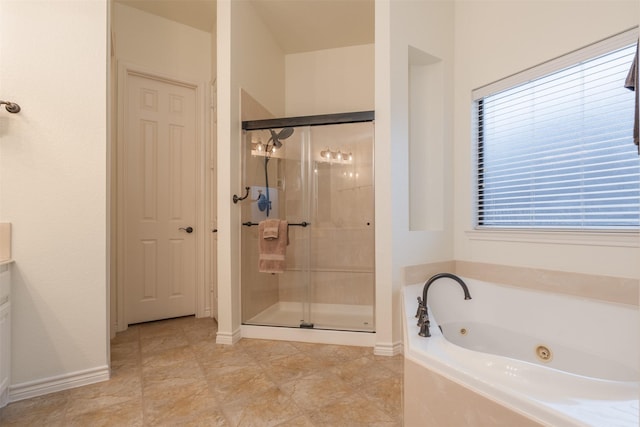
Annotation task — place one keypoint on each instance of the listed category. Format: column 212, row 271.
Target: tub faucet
column 422, row 313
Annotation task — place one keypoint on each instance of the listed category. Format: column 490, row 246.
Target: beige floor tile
column 263, row 350
column 316, row 390
column 240, row 383
column 46, row 410
column 176, row 405
column 387, row 394
column 287, row 368
column 172, row 373
column 200, row 334
column 301, row 421
column 131, row 334
column 179, row 375
column 160, row 328
column 158, row 344
column 104, row 394
column 393, row 363
column 209, row 418
column 334, row 353
column 217, row 356
column 124, row 414
column 120, row 367
column 362, row 371
column 125, row 351
column 267, row 409
column 354, row 411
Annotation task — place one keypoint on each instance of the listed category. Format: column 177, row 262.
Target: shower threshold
column 338, row 317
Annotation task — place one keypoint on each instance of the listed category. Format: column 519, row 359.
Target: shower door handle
column 187, row 229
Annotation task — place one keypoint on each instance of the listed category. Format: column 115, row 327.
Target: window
column 554, row 144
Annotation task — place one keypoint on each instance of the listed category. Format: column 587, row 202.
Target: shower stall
column 316, row 173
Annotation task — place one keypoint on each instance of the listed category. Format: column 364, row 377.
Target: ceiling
column 297, row 25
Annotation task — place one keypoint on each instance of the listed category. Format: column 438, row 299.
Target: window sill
column 629, row 239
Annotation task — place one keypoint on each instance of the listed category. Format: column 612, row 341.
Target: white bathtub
column 591, row 378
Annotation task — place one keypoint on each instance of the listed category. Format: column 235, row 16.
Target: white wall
column 427, row 26
column 53, row 174
column 257, row 60
column 330, row 81
column 161, row 45
column 249, row 59
column 493, row 40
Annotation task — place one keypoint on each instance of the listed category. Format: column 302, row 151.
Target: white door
column 160, row 192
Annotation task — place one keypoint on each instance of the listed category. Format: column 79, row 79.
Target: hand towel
column 271, row 227
column 272, row 251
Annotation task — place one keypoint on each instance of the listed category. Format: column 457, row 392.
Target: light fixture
column 338, row 156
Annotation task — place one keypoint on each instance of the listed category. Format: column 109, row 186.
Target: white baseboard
column 4, row 398
column 388, row 349
column 362, row 339
column 44, row 386
column 228, row 338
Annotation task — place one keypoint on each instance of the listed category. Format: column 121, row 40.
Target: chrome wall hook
column 11, row 107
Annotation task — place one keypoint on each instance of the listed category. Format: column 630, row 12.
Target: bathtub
column 554, row 360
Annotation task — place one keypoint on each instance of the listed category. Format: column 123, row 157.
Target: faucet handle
column 424, row 325
column 420, row 307
column 422, row 315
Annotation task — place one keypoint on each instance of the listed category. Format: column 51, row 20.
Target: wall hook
column 11, row 107
column 237, row 199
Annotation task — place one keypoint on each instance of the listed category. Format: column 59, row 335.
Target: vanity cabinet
column 5, row 332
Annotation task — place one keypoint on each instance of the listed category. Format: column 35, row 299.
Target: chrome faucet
column 422, row 314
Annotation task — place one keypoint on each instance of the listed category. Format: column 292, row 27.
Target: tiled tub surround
column 480, row 388
column 606, row 288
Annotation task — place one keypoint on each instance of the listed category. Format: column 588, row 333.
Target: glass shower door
column 278, row 189
column 319, row 179
column 341, row 269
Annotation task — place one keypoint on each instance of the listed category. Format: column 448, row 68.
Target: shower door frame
column 302, row 122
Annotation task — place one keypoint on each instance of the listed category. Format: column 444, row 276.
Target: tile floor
column 172, row 373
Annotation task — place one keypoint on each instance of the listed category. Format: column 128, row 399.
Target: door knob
column 187, row 229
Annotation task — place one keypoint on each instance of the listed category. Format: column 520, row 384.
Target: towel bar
column 295, row 224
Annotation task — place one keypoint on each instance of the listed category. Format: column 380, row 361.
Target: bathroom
column 61, row 304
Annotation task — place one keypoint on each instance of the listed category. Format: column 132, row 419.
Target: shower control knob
column 187, row 229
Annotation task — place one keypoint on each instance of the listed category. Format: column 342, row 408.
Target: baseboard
column 388, row 349
column 44, row 386
column 4, row 398
column 228, row 338
column 362, row 339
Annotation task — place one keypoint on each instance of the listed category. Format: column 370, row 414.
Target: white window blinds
column 556, row 150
